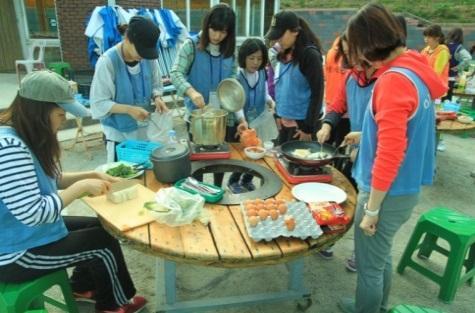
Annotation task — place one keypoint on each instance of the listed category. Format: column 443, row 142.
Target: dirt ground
column 326, row 279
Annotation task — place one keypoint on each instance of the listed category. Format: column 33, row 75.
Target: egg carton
column 268, row 229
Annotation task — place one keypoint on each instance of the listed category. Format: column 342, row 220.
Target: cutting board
column 125, row 215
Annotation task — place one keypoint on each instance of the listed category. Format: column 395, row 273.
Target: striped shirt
column 20, row 191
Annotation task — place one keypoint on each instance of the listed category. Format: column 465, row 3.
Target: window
column 41, row 18
column 191, row 13
column 253, row 17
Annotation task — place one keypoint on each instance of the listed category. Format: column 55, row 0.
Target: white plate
column 318, row 192
column 104, row 167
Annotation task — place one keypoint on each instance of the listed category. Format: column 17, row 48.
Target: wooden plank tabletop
column 225, row 242
column 454, row 126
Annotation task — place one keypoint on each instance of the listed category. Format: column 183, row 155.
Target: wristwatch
column 369, row 212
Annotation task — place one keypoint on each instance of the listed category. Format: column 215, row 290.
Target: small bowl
column 465, row 119
column 255, row 152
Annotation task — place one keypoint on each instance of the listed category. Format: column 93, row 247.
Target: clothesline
column 104, row 23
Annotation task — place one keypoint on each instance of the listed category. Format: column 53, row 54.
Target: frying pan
column 289, row 147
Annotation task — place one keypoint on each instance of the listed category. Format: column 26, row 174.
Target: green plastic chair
column 61, row 68
column 404, row 308
column 19, row 298
column 459, row 231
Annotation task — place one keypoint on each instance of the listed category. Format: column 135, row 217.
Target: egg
column 250, row 206
column 263, row 214
column 259, row 201
column 282, row 208
column 271, row 207
column 253, row 220
column 289, row 223
column 269, row 201
column 251, row 212
column 274, row 214
column 261, row 206
column 279, row 201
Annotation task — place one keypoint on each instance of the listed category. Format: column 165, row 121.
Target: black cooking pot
column 288, row 149
column 171, row 162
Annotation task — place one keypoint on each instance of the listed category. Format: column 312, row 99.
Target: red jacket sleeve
column 339, row 104
column 394, row 100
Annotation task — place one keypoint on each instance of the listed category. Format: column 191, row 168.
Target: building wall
column 72, row 17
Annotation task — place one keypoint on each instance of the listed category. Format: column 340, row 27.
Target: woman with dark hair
column 396, row 153
column 436, row 52
column 207, row 58
column 36, row 238
column 459, row 56
column 298, row 76
column 252, row 59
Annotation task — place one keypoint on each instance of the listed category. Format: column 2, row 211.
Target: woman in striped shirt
column 36, row 239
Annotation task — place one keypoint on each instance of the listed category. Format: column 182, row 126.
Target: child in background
column 438, row 56
column 459, row 56
column 252, row 60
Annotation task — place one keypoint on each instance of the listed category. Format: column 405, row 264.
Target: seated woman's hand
column 107, row 177
column 94, row 187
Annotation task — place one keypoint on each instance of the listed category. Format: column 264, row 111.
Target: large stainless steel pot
column 208, row 126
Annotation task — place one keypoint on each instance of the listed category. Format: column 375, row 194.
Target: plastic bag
column 159, row 125
column 265, row 126
column 176, row 207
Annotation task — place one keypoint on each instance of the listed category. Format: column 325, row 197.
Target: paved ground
column 327, row 280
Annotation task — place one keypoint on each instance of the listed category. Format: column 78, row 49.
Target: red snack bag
column 328, row 213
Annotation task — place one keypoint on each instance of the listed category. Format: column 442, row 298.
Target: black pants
column 96, row 255
column 450, row 91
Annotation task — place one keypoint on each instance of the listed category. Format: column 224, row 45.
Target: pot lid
column 231, row 95
column 169, row 151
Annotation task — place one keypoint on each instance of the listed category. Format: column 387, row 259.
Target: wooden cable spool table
column 454, row 126
column 225, row 243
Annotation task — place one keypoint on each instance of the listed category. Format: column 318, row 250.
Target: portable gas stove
column 295, row 173
column 215, row 152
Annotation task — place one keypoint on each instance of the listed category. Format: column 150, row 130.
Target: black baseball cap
column 143, row 33
column 281, row 22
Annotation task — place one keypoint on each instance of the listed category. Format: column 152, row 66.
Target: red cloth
column 394, row 101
